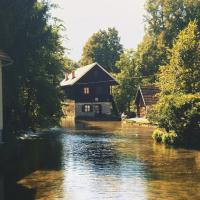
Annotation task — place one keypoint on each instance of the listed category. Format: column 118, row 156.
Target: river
column 100, row 161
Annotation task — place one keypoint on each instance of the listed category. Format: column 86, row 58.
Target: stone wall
column 68, row 108
column 80, row 113
column 106, row 108
column 72, row 110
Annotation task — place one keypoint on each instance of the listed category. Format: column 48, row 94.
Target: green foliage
column 31, row 86
column 157, row 135
column 103, row 47
column 179, row 113
column 162, row 136
column 164, row 20
column 124, row 94
column 150, row 54
column 71, row 65
column 178, row 108
column 169, row 17
column 182, row 72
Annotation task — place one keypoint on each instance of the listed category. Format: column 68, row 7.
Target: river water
column 100, row 161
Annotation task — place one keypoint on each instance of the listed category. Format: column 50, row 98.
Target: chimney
column 66, row 76
column 73, row 74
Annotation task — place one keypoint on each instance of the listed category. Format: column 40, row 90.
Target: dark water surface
column 100, row 161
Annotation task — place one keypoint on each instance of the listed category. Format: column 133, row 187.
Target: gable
column 96, row 75
column 93, row 73
column 139, row 98
column 148, row 95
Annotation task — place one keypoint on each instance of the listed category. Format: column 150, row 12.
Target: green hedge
column 179, row 117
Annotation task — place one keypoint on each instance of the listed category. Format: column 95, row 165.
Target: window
column 87, row 108
column 86, row 90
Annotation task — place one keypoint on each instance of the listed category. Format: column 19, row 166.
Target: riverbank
column 138, row 122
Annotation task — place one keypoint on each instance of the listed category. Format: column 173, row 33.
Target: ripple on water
column 103, row 160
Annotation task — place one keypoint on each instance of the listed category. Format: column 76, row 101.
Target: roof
column 148, row 94
column 5, row 59
column 80, row 72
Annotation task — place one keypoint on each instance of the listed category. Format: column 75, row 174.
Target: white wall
column 79, row 113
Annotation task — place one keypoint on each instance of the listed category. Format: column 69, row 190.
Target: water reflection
column 44, row 153
column 48, row 184
column 101, row 160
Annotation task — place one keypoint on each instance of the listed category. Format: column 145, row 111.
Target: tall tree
column 150, row 54
column 125, row 93
column 178, row 108
column 71, row 65
column 182, row 73
column 164, row 20
column 103, row 47
column 31, row 87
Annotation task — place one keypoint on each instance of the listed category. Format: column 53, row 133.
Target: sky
column 82, row 18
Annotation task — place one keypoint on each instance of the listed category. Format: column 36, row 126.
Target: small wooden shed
column 145, row 98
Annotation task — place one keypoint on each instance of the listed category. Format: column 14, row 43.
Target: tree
column 125, row 93
column 179, row 114
column 71, row 65
column 31, row 86
column 182, row 75
column 179, row 81
column 169, row 17
column 103, row 47
column 164, row 20
column 150, row 54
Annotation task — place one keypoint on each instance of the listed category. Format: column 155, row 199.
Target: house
column 89, row 93
column 4, row 61
column 145, row 99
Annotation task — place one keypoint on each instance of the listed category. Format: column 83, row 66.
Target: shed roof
column 80, row 72
column 148, row 94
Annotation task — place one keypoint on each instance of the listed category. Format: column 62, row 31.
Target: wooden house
column 89, row 93
column 4, row 60
column 145, row 98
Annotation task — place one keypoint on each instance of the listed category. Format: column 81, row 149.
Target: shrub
column 162, row 136
column 179, row 114
column 157, row 135
column 169, row 138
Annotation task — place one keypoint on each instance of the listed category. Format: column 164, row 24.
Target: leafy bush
column 157, row 135
column 180, row 115
column 162, row 136
column 169, row 138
